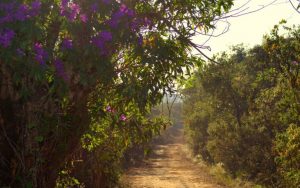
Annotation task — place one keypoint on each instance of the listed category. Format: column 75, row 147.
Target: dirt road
column 169, row 167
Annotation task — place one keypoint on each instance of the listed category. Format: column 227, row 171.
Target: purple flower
column 40, row 54
column 8, row 7
column 22, row 13
column 134, row 25
column 64, row 3
column 108, row 109
column 67, row 43
column 7, row 18
column 295, row 63
column 147, row 21
column 7, row 10
column 6, row 37
column 75, row 10
column 20, row 52
column 123, row 117
column 18, row 12
column 117, row 16
column 123, row 8
column 101, row 41
column 106, row 1
column 106, row 36
column 59, row 68
column 38, row 47
column 83, row 18
column 115, row 19
column 140, row 40
column 130, row 13
column 35, row 7
column 113, row 23
column 69, row 9
column 39, row 58
column 97, row 41
column 94, row 7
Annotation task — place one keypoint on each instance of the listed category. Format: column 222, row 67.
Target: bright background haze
column 250, row 28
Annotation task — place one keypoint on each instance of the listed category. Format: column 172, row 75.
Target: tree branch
column 296, row 9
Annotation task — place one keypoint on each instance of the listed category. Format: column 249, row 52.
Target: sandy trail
column 169, row 167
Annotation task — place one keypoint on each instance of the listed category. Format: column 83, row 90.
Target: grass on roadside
column 222, row 177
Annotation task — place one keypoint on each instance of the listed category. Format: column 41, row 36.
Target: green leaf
column 39, row 138
column 31, row 125
column 29, row 185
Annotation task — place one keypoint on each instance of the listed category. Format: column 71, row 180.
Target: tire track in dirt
column 169, row 167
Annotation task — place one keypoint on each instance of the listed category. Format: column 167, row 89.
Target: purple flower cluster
column 111, row 110
column 94, row 7
column 105, row 36
column 20, row 52
column 124, row 13
column 69, row 9
column 121, row 13
column 140, row 40
column 59, row 68
column 147, row 21
column 295, row 63
column 123, row 117
column 135, row 24
column 35, row 8
column 12, row 11
column 101, row 41
column 40, row 54
column 18, row 12
column 67, row 43
column 6, row 37
column 106, row 1
column 83, row 18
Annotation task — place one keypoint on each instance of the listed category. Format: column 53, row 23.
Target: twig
column 11, row 144
column 296, row 9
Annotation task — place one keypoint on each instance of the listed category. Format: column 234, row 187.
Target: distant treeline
column 244, row 112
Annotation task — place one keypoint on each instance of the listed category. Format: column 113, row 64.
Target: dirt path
column 169, row 166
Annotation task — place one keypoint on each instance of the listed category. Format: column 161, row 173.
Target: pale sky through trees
column 249, row 29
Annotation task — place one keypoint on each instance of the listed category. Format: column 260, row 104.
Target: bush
column 287, row 146
column 244, row 111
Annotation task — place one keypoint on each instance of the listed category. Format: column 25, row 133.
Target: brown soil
column 169, row 166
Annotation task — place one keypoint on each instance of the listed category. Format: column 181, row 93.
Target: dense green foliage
column 244, row 112
column 78, row 80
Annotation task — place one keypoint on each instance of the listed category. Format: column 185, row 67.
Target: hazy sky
column 249, row 29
